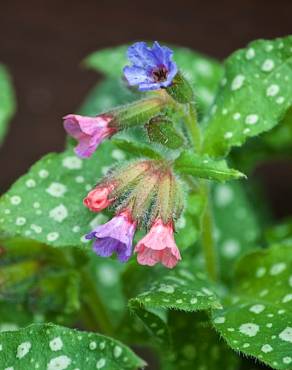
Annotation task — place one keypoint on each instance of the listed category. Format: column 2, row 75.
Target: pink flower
column 98, row 198
column 158, row 246
column 88, row 131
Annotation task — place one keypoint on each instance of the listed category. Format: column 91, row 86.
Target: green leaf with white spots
column 189, row 163
column 257, row 316
column 54, row 347
column 255, row 95
column 237, row 228
column 7, row 101
column 46, row 204
column 203, row 72
column 196, row 345
column 179, row 289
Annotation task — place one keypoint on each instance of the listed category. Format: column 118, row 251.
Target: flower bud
column 139, row 112
column 180, row 90
column 161, row 130
column 169, row 198
column 98, row 198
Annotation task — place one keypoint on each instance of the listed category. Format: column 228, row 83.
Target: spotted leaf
column 237, row 227
column 46, row 203
column 256, row 318
column 204, row 73
column 7, row 101
column 181, row 290
column 255, row 95
column 54, row 347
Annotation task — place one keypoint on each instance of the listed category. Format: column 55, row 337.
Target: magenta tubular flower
column 88, row 131
column 116, row 236
column 152, row 68
column 158, row 246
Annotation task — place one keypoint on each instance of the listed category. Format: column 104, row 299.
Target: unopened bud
column 161, row 130
column 170, row 198
column 180, row 90
column 141, row 198
column 99, row 198
column 138, row 113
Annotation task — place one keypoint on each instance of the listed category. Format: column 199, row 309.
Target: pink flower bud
column 158, row 246
column 88, row 131
column 98, row 198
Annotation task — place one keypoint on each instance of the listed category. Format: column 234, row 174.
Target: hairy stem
column 193, row 127
column 207, row 234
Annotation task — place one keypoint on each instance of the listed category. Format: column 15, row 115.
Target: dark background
column 43, row 42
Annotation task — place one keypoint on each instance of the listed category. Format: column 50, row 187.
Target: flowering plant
column 144, row 213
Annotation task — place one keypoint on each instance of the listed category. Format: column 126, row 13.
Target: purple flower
column 115, row 236
column 152, row 68
column 89, row 131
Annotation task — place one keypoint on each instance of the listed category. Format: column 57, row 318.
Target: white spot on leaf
column 59, row 363
column 237, row 82
column 249, row 329
column 59, row 213
column 72, row 163
column 56, row 189
column 56, row 344
column 23, row 349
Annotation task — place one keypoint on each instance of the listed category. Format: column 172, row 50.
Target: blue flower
column 152, row 68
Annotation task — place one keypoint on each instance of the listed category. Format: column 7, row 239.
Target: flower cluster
column 145, row 202
column 146, row 193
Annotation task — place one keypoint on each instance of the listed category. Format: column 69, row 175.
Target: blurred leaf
column 106, row 95
column 54, row 347
column 256, row 319
column 204, row 73
column 196, row 345
column 237, row 228
column 189, row 163
column 261, row 71
column 7, row 101
column 281, row 233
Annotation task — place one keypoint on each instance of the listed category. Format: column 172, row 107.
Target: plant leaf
column 196, row 345
column 137, row 149
column 179, row 289
column 189, row 163
column 237, row 228
column 256, row 319
column 53, row 347
column 7, row 101
column 46, row 203
column 203, row 72
column 255, row 96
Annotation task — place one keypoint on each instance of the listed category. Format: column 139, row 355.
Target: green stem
column 207, row 236
column 94, row 306
column 193, row 126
